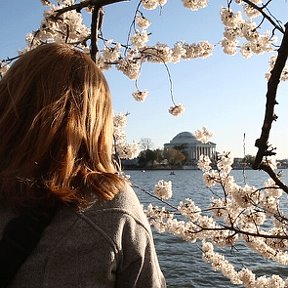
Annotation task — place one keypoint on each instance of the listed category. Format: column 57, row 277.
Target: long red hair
column 56, row 128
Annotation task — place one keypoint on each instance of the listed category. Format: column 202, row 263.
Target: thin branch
column 8, row 60
column 265, row 15
column 113, row 42
column 154, row 196
column 275, row 19
column 237, row 230
column 132, row 25
column 266, row 4
column 247, row 233
column 146, row 51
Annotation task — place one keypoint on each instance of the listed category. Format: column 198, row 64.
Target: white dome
column 185, row 138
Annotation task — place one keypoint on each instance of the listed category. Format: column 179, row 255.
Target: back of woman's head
column 56, row 127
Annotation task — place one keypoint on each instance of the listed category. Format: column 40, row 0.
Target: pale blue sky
column 224, row 93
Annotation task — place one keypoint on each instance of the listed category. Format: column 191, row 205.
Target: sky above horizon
column 224, row 93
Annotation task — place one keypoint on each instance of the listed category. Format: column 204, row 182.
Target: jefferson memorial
column 187, row 143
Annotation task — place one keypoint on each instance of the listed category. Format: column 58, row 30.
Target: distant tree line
column 175, row 158
column 161, row 157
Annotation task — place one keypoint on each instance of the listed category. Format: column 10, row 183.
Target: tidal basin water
column 181, row 262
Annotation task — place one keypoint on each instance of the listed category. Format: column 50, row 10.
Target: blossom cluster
column 65, row 28
column 203, row 135
column 190, row 4
column 177, row 110
column 140, row 96
column 122, row 148
column 162, row 53
column 195, row 5
column 153, row 4
column 131, row 64
column 163, row 189
column 130, row 67
column 236, row 27
column 244, row 276
column 243, row 213
column 4, row 67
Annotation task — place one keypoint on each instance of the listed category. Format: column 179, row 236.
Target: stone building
column 192, row 148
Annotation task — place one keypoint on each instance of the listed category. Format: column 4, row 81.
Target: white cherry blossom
column 176, row 110
column 163, row 189
column 140, row 96
column 203, row 135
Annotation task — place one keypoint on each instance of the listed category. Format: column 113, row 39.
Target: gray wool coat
column 108, row 245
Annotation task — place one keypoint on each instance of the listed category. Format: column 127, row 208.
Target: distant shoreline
column 184, row 169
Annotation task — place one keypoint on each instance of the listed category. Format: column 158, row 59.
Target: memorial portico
column 191, row 147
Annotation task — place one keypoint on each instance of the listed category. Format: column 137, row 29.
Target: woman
column 56, row 140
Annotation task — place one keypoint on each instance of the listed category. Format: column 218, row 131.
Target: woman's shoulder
column 125, row 206
column 126, row 200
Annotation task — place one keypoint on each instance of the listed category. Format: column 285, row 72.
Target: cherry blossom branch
column 265, row 15
column 238, row 231
column 154, row 196
column 222, row 227
column 262, row 142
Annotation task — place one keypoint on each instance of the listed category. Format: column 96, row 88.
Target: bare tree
column 146, row 143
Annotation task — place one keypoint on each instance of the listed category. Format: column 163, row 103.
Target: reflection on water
column 181, row 261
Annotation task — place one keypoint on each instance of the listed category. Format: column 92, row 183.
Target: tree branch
column 106, row 2
column 96, row 22
column 237, row 230
column 262, row 142
column 272, row 174
column 78, row 7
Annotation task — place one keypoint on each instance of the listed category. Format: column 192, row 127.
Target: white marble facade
column 191, row 147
